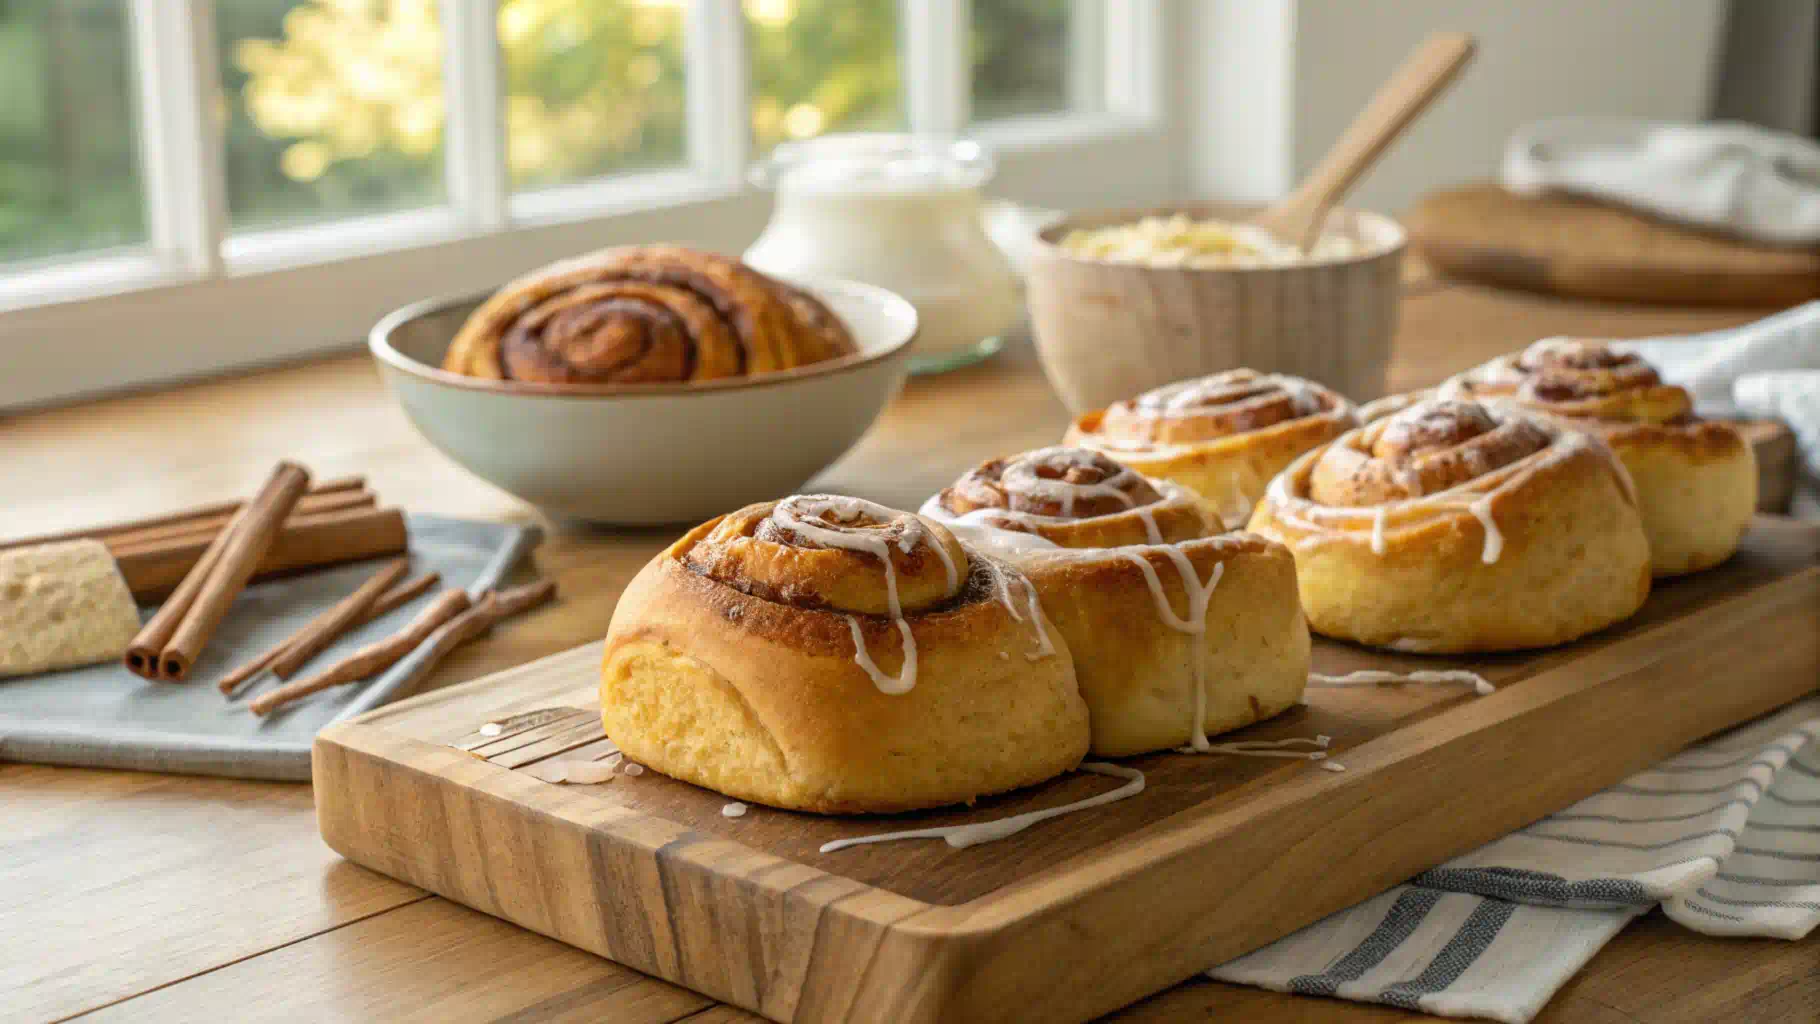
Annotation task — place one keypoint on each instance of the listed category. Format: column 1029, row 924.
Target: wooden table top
column 156, row 897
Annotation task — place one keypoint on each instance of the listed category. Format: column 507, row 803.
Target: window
column 69, row 169
column 248, row 180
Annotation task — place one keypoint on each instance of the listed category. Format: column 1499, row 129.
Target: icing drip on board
column 962, row 836
column 1431, row 677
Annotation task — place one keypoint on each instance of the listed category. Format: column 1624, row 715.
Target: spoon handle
column 1422, row 77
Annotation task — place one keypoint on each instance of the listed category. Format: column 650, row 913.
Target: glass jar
column 902, row 212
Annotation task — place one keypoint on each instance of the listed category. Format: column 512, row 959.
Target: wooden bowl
column 1107, row 331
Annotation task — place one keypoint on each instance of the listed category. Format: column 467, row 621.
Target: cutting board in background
column 1562, row 245
column 1076, row 916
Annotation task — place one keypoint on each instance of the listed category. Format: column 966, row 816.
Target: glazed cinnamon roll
column 828, row 654
column 1179, row 630
column 1696, row 479
column 641, row 315
column 1458, row 527
column 1223, row 436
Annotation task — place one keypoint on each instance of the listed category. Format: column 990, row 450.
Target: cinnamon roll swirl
column 1223, row 436
column 1179, row 630
column 1696, row 479
column 1456, row 527
column 828, row 654
column 641, row 315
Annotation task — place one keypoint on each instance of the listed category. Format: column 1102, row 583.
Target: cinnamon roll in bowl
column 1179, row 630
column 1454, row 527
column 827, row 654
column 1696, row 479
column 1223, row 436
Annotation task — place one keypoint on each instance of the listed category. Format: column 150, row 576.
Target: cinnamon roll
column 828, row 654
column 1223, row 436
column 641, row 315
column 1179, row 630
column 1696, row 479
column 1454, row 527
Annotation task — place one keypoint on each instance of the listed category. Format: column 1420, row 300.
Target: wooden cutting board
column 1079, row 915
column 1576, row 247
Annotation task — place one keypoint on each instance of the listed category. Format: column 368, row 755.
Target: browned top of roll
column 1427, row 448
column 1078, row 498
column 1234, row 402
column 1578, row 378
column 835, row 553
column 645, row 314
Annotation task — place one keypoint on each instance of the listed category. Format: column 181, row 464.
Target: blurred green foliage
column 335, row 107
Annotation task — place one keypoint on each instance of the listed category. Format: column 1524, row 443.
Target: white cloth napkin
column 1725, row 837
column 1736, row 178
column 1769, row 369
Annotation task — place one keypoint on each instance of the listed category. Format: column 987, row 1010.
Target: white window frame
column 197, row 299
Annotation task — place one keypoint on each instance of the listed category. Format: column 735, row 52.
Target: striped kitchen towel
column 1725, row 837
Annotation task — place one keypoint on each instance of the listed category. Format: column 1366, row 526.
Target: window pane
column 593, row 87
column 69, row 160
column 822, row 66
column 334, row 107
column 1021, row 57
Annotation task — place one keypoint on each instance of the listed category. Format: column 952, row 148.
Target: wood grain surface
column 1577, row 247
column 177, row 899
column 1218, row 855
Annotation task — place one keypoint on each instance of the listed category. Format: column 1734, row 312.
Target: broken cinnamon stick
column 337, row 621
column 462, row 627
column 247, row 543
column 373, row 658
column 398, row 596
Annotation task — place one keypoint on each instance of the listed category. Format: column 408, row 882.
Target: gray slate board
column 103, row 716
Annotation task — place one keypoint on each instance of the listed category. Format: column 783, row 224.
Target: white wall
column 1537, row 58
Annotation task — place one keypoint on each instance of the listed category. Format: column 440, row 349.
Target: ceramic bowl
column 1107, row 331
column 653, row 453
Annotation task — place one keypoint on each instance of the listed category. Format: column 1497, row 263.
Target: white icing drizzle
column 1332, row 766
column 733, row 810
column 1043, row 647
column 1022, row 475
column 962, row 836
column 983, row 527
column 1199, row 593
column 1475, row 497
column 894, row 686
column 1001, row 577
column 1431, row 677
column 492, row 729
column 1494, row 538
column 634, row 769
column 1268, row 748
column 802, row 514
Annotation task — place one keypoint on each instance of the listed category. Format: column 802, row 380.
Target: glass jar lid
column 875, row 163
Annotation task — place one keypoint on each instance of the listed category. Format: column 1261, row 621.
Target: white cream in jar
column 898, row 211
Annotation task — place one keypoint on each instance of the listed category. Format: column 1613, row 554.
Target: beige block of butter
column 62, row 605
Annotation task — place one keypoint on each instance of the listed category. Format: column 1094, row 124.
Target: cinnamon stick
column 247, row 544
column 337, row 620
column 400, row 595
column 220, row 511
column 305, row 543
column 373, row 658
column 448, row 635
column 143, row 653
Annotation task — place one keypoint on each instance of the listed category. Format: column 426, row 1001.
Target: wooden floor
column 153, row 898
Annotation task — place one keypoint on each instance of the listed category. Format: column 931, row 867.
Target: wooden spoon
column 1422, row 78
